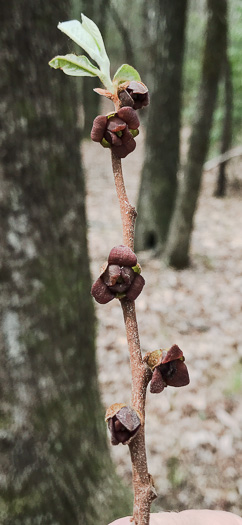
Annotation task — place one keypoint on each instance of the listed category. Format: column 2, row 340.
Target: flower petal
column 130, row 145
column 127, row 136
column 127, row 275
column 180, row 376
column 122, row 436
column 139, row 93
column 122, row 151
column 121, row 433
column 98, row 128
column 137, row 87
column 101, row 292
column 135, row 288
column 129, row 418
column 141, row 101
column 113, row 409
column 174, row 353
column 115, row 124
column 122, row 255
column 119, row 287
column 126, row 99
column 112, row 138
column 114, row 440
column 157, row 384
column 129, row 116
column 111, row 274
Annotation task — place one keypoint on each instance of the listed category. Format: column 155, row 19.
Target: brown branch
column 144, row 491
column 128, row 212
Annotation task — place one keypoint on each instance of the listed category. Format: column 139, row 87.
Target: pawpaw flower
column 117, row 131
column 120, row 277
column 168, row 368
column 123, row 423
column 135, row 94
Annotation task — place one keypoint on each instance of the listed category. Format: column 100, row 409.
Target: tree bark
column 126, row 37
column 159, row 174
column 55, row 465
column 179, row 238
column 227, row 125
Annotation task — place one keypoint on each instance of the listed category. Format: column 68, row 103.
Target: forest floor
column 193, row 434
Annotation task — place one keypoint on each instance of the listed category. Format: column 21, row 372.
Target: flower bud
column 123, row 423
column 116, row 131
column 120, row 277
column 168, row 368
column 135, row 94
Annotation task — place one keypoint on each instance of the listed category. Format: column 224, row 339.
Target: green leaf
column 77, row 66
column 75, row 31
column 93, row 31
column 126, row 73
column 88, row 36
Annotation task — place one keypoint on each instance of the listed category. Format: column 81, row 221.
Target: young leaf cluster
column 87, row 35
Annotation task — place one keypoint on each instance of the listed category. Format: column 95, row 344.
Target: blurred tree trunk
column 126, row 37
column 178, row 242
column 226, row 138
column 55, row 465
column 159, row 175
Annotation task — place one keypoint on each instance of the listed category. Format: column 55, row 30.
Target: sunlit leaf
column 78, row 66
column 126, row 73
column 88, row 36
column 75, row 31
column 93, row 30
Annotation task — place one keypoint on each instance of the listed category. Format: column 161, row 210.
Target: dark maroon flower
column 117, row 131
column 123, row 423
column 168, row 368
column 135, row 95
column 120, row 277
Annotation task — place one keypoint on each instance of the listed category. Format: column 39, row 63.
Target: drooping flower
column 120, row 277
column 135, row 95
column 117, row 131
column 168, row 368
column 123, row 423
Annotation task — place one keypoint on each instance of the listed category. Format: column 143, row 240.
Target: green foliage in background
column 139, row 19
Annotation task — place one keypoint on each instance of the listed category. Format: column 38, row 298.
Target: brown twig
column 144, row 491
column 128, row 212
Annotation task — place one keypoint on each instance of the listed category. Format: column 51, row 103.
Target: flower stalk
column 128, row 212
column 144, row 491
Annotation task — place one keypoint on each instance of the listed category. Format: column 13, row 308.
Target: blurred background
column 62, row 359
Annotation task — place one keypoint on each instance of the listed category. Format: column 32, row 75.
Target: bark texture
column 178, row 242
column 159, row 175
column 55, row 465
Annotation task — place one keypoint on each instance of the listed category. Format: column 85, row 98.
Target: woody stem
column 143, row 490
column 128, row 212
